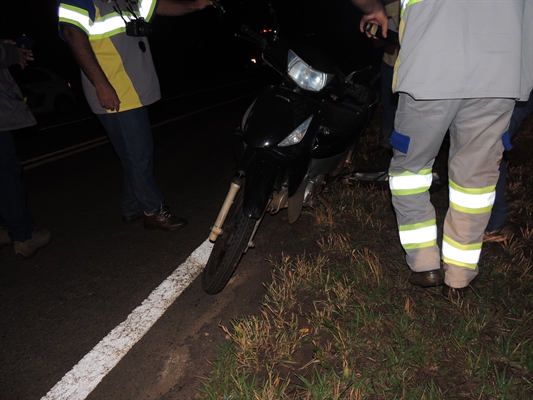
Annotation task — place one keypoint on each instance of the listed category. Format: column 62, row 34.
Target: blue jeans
column 12, row 192
column 389, row 102
column 501, row 207
column 131, row 136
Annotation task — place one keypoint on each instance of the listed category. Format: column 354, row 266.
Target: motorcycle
column 295, row 138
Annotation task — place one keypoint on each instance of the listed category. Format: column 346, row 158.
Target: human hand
column 25, row 54
column 108, row 96
column 379, row 18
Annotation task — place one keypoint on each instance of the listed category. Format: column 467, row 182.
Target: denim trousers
column 131, row 136
column 389, row 101
column 500, row 209
column 13, row 208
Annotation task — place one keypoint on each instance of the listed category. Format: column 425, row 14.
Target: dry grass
column 343, row 323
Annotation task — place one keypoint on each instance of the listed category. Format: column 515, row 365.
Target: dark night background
column 199, row 49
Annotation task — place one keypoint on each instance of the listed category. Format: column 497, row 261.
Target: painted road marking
column 81, row 380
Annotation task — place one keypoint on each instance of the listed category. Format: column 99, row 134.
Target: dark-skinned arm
column 83, row 53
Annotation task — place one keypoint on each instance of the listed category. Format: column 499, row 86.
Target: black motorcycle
column 295, row 138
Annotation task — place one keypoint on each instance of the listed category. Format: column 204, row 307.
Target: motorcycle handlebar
column 254, row 35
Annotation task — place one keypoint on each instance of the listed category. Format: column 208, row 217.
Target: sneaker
column 501, row 235
column 39, row 239
column 163, row 220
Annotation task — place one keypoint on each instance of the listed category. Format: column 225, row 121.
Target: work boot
column 39, row 239
column 427, row 278
column 162, row 219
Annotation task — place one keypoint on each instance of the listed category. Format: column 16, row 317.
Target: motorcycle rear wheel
column 229, row 247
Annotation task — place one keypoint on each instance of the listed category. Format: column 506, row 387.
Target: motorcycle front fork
column 216, row 229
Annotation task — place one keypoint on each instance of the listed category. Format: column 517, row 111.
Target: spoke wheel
column 229, row 247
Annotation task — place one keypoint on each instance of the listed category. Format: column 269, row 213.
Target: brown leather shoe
column 454, row 294
column 163, row 220
column 427, row 278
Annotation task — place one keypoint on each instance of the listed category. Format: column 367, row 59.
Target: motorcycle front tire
column 229, row 247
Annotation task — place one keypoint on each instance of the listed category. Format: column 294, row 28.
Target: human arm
column 374, row 12
column 180, row 7
column 11, row 55
column 83, row 53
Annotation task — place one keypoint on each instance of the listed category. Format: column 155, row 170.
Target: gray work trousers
column 476, row 127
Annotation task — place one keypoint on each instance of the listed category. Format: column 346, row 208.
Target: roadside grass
column 344, row 323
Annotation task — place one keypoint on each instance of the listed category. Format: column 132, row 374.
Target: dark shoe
column 4, row 237
column 163, row 220
column 454, row 294
column 427, row 278
column 39, row 239
column 133, row 217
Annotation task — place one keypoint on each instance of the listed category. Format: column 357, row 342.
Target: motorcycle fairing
column 342, row 124
column 274, row 115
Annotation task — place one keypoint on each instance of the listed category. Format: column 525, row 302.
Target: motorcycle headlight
column 297, row 135
column 305, row 76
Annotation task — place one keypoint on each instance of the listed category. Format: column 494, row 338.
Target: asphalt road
column 58, row 305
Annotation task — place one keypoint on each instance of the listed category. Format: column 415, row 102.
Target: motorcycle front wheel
column 229, row 247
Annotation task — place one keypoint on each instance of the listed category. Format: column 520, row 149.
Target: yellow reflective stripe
column 472, row 201
column 75, row 16
column 408, row 183
column 407, row 3
column 414, row 246
column 463, row 255
column 422, row 234
column 105, row 27
column 147, row 8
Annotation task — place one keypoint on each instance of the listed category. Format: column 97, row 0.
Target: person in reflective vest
column 462, row 73
column 108, row 41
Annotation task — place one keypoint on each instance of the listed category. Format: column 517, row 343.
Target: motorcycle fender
column 298, row 169
column 261, row 176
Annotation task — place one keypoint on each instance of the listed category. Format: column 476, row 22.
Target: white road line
column 81, row 380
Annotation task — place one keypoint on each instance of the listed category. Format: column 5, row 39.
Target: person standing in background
column 108, row 39
column 496, row 229
column 389, row 100
column 14, row 114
